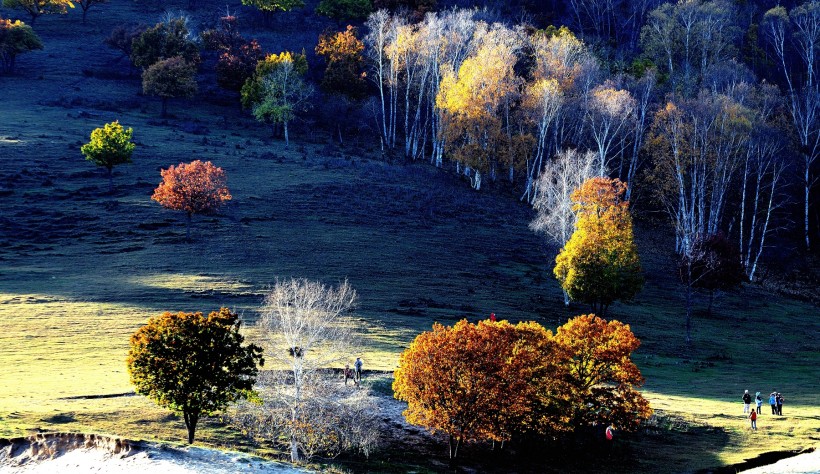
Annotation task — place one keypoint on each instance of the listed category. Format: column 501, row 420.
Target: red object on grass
column 492, row 317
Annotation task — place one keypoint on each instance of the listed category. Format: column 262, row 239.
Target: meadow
column 80, row 270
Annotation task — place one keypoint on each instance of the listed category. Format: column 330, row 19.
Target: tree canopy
column 195, row 188
column 164, row 40
column 37, row 8
column 170, row 78
column 193, row 364
column 599, row 264
column 15, row 38
column 110, row 146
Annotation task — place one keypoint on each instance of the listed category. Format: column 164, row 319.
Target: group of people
column 775, row 400
column 355, row 373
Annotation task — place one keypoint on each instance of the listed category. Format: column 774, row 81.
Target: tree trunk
column 454, row 445
column 287, row 140
column 191, row 420
column 188, row 228
column 164, row 107
column 689, row 310
column 110, row 180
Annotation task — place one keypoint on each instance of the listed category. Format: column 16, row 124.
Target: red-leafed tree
column 196, row 188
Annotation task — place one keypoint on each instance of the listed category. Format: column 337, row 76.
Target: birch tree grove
column 802, row 26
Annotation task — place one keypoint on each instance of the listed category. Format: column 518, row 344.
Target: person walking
column 747, row 400
column 758, row 402
column 773, row 402
column 358, row 366
column 348, row 373
column 779, row 404
column 753, row 420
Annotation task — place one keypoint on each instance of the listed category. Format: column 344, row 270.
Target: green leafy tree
column 36, row 8
column 284, row 94
column 15, row 38
column 345, row 10
column 193, row 364
column 110, row 146
column 164, row 41
column 254, row 88
column 170, row 78
column 599, row 264
column 269, row 7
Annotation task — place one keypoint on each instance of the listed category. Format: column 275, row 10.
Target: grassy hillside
column 78, row 274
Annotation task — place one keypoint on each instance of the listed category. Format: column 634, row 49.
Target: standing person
column 773, row 402
column 753, row 420
column 779, row 404
column 758, row 401
column 358, row 366
column 348, row 373
column 747, row 400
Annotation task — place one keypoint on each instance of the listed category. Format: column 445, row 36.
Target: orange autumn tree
column 473, row 381
column 599, row 264
column 601, row 377
column 196, row 188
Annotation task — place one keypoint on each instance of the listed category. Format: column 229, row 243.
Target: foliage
column 713, row 264
column 602, row 379
column 599, row 264
column 253, row 90
column 15, row 38
column 122, row 37
column 345, row 65
column 284, row 94
column 234, row 67
column 471, row 99
column 193, row 364
column 493, row 380
column 110, row 146
column 195, row 188
column 274, row 5
column 474, row 381
column 345, row 10
column 36, row 8
column 164, row 41
column 170, row 78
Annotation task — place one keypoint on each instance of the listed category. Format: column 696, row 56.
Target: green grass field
column 78, row 275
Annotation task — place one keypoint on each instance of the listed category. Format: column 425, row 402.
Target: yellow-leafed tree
column 599, row 264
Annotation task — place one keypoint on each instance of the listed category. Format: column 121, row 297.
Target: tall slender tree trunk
column 287, row 139
column 689, row 309
column 807, row 189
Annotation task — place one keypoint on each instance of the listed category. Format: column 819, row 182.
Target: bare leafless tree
column 305, row 328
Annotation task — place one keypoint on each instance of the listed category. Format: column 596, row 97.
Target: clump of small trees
column 493, row 381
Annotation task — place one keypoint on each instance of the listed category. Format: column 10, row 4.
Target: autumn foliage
column 599, row 264
column 195, row 188
column 193, row 364
column 494, row 380
column 15, row 38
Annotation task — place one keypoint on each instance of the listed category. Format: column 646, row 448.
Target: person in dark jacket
column 779, row 404
column 747, row 400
